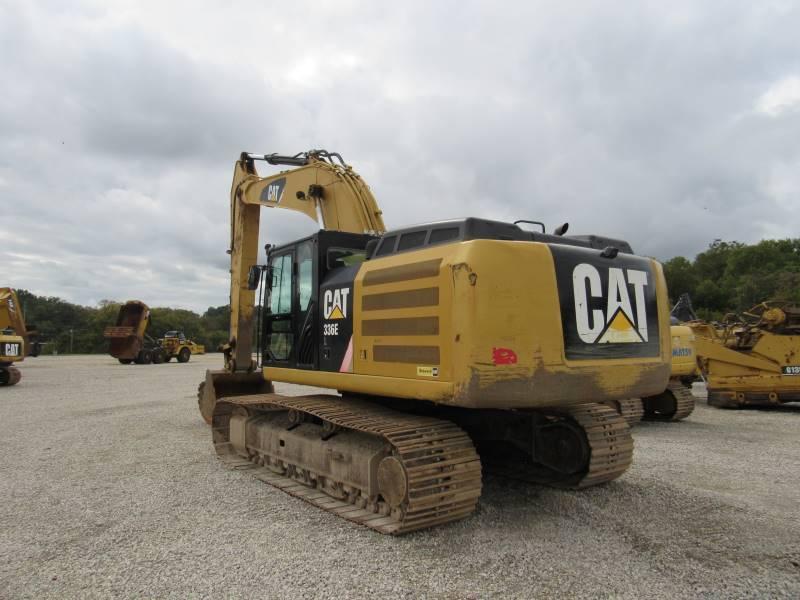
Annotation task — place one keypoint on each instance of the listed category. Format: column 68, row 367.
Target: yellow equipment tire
column 184, row 355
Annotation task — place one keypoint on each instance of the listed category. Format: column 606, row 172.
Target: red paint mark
column 504, row 356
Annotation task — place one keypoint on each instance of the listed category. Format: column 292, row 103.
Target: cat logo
column 334, row 303
column 274, row 191
column 619, row 323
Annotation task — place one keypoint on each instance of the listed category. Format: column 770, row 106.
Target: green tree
column 680, row 276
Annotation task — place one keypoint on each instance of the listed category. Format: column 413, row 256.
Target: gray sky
column 668, row 124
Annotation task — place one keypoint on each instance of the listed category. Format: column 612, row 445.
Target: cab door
column 290, row 331
column 279, row 318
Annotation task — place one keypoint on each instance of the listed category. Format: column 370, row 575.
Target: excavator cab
column 300, row 278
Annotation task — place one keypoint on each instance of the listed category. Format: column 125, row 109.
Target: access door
column 289, row 332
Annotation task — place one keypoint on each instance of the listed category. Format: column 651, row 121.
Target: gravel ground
column 109, row 487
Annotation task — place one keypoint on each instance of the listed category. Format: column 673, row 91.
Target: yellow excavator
column 753, row 358
column 12, row 337
column 455, row 347
column 12, row 349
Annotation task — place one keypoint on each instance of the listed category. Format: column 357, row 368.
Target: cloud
column 668, row 125
column 782, row 97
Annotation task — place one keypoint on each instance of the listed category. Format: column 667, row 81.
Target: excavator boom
column 332, row 194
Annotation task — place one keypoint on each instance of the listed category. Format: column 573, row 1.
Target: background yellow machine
column 129, row 342
column 752, row 358
column 12, row 349
column 676, row 402
column 15, row 338
column 456, row 346
column 176, row 345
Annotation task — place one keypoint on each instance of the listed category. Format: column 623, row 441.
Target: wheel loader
column 16, row 339
column 450, row 348
column 175, row 345
column 130, row 343
column 752, row 359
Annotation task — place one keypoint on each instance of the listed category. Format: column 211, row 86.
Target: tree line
column 728, row 277
column 70, row 328
column 732, row 277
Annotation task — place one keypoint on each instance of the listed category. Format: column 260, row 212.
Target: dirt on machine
column 455, row 347
column 129, row 342
column 752, row 358
column 17, row 339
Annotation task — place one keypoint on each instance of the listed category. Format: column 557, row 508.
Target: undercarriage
column 397, row 472
column 9, row 375
column 673, row 404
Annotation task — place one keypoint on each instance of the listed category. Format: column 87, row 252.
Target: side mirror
column 561, row 229
column 254, row 277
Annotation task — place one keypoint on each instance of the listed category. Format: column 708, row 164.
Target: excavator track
column 12, row 376
column 430, row 474
column 674, row 404
column 608, row 445
column 630, row 409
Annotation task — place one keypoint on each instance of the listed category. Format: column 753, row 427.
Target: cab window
column 443, row 235
column 345, row 257
column 414, row 239
column 305, row 274
column 387, row 246
column 280, row 299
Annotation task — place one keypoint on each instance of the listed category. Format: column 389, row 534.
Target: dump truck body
column 126, row 338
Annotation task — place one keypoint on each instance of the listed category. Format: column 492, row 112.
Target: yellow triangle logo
column 620, row 331
column 336, row 313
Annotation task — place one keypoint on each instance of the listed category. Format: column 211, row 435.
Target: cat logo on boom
column 619, row 323
column 334, row 303
column 274, row 191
